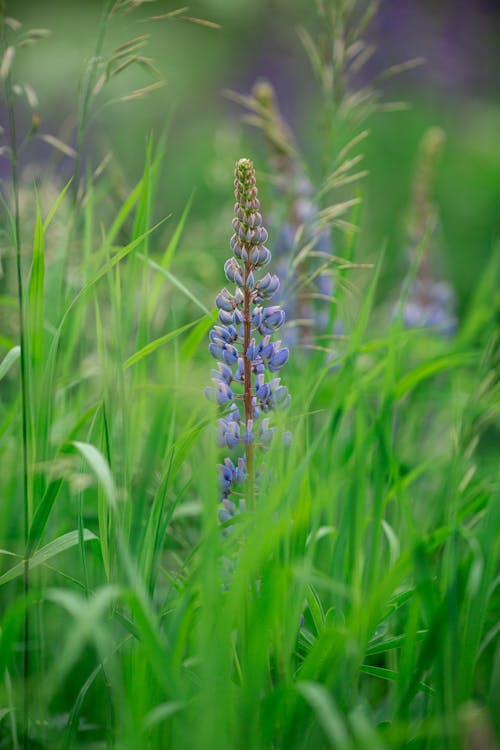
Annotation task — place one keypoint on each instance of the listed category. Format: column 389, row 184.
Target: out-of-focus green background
column 456, row 89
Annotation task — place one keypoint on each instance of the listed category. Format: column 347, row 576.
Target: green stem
column 83, row 120
column 86, row 94
column 24, row 396
column 248, row 395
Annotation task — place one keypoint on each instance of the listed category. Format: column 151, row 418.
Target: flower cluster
column 305, row 302
column 431, row 302
column 431, row 305
column 242, row 343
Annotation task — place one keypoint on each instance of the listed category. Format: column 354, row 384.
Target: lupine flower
column 431, row 303
column 243, row 345
column 303, row 301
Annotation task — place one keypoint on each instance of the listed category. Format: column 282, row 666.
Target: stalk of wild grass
column 29, row 342
column 319, row 204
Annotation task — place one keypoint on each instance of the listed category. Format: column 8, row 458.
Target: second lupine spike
column 243, row 347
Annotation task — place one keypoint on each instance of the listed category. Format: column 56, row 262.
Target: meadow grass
column 355, row 607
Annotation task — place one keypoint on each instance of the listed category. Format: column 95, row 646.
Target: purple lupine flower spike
column 431, row 302
column 243, row 347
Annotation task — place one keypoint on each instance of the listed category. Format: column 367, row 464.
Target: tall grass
column 356, row 605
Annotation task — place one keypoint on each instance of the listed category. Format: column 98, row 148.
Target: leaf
column 72, row 723
column 61, row 544
column 111, row 263
column 74, row 715
column 380, row 647
column 153, row 345
column 393, row 542
column 316, row 609
column 329, row 717
column 10, row 358
column 36, row 291
column 120, row 255
column 430, row 368
column 88, row 614
column 365, row 310
column 175, row 281
column 123, row 213
column 169, row 252
column 101, row 469
column 42, row 515
column 12, row 621
column 156, row 528
column 5, row 712
column 485, row 302
column 197, row 335
column 56, row 205
column 160, row 713
column 390, row 674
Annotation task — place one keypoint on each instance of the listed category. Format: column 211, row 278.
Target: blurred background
column 456, row 89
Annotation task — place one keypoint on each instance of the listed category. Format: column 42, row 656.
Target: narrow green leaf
column 169, row 253
column 390, row 674
column 161, row 713
column 175, row 281
column 154, row 345
column 381, row 647
column 111, row 263
column 42, row 514
column 88, row 615
column 72, row 723
column 430, row 368
column 123, row 213
column 328, row 715
column 36, row 312
column 101, row 469
column 12, row 620
column 316, row 609
column 56, row 205
column 61, row 544
column 120, row 255
column 198, row 334
column 10, row 358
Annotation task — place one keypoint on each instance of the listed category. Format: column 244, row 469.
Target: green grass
column 355, row 608
column 378, row 527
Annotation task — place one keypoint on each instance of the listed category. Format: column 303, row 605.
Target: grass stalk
column 83, row 121
column 84, row 102
column 27, row 502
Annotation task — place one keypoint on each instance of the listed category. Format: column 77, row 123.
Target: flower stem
column 247, row 396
